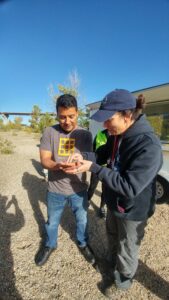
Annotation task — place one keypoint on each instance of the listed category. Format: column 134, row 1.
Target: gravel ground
column 67, row 275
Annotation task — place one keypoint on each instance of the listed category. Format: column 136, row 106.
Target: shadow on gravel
column 99, row 243
column 38, row 167
column 9, row 222
column 97, row 236
column 36, row 189
column 145, row 276
column 152, row 281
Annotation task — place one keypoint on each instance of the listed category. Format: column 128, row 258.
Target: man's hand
column 77, row 157
column 82, row 166
column 48, row 162
column 73, row 162
column 67, row 165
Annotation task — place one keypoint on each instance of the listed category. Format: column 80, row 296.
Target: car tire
column 162, row 190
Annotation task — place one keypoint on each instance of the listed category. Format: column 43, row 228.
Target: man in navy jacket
column 133, row 155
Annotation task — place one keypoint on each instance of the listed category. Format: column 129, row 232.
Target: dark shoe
column 43, row 255
column 88, row 254
column 122, row 282
column 102, row 213
column 105, row 287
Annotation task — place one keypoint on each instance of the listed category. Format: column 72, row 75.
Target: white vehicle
column 163, row 177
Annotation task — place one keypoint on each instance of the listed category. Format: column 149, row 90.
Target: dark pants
column 92, row 187
column 124, row 237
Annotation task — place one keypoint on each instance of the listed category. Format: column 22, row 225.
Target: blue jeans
column 55, row 206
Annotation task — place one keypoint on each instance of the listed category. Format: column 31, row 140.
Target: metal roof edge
column 151, row 87
column 136, row 91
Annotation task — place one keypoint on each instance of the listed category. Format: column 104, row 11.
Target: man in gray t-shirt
column 62, row 144
column 57, row 144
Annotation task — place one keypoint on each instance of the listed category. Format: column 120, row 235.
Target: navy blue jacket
column 130, row 191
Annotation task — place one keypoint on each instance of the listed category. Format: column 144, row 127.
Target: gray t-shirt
column 63, row 144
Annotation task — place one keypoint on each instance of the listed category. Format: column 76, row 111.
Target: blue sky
column 111, row 43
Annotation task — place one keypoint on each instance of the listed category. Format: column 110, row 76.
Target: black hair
column 66, row 101
column 140, row 105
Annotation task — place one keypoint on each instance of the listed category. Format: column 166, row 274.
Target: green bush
column 160, row 123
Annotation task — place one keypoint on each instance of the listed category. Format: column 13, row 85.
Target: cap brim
column 102, row 115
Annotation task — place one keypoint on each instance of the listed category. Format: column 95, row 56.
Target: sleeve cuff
column 95, row 168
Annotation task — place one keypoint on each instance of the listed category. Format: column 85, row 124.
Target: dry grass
column 6, row 146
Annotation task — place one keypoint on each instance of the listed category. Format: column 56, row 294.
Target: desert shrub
column 6, row 146
column 28, row 130
column 14, row 133
column 6, row 127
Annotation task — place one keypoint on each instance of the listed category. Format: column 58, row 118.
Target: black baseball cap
column 116, row 101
